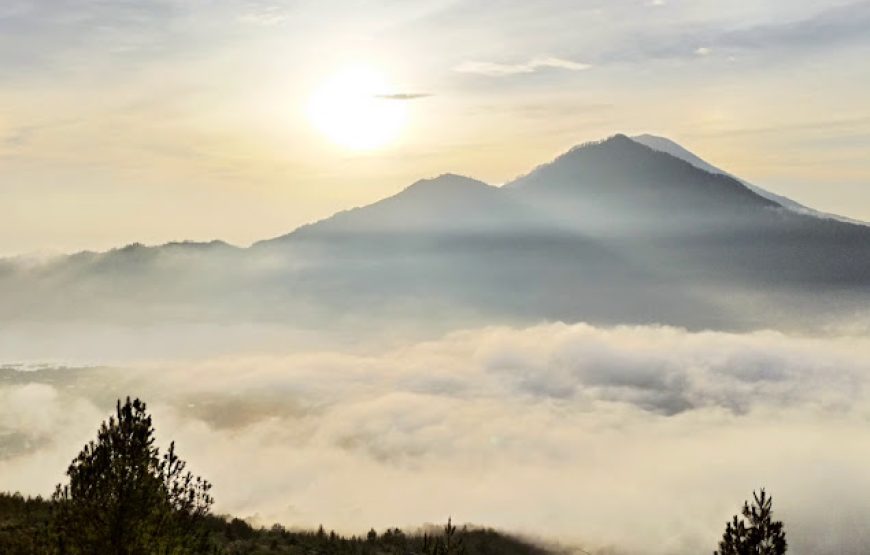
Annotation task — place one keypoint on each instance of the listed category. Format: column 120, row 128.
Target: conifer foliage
column 756, row 533
column 126, row 498
column 448, row 544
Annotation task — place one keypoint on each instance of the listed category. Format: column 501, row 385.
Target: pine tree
column 756, row 533
column 448, row 544
column 125, row 498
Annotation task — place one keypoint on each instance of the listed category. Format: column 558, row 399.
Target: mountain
column 668, row 146
column 662, row 144
column 612, row 187
column 619, row 186
column 613, row 232
column 447, row 204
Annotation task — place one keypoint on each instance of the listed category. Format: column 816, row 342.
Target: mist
column 629, row 438
column 610, row 232
column 385, row 264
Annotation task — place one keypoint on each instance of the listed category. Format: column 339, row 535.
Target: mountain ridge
column 611, row 232
column 440, row 189
column 446, row 183
column 469, row 204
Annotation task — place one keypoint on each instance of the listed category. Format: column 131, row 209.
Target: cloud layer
column 638, row 439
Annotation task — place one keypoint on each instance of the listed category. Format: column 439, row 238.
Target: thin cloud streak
column 403, row 96
column 491, row 69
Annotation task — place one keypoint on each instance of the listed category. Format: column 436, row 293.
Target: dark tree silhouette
column 126, row 498
column 756, row 533
column 448, row 544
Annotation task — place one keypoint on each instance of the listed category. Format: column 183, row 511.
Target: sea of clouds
column 630, row 439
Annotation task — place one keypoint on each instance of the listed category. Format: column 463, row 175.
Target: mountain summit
column 447, row 204
column 620, row 183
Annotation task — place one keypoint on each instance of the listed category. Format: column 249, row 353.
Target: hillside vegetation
column 126, row 497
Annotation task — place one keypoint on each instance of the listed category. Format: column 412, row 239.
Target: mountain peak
column 616, row 140
column 450, row 183
column 448, row 203
column 620, row 183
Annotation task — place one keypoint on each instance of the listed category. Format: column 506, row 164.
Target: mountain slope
column 449, row 204
column 620, row 186
column 668, row 146
column 610, row 231
column 615, row 185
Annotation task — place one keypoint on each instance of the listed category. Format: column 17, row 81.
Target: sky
column 151, row 121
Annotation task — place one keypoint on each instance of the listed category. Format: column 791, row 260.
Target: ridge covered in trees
column 126, row 497
column 25, row 529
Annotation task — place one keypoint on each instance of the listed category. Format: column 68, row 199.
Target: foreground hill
column 609, row 232
column 25, row 530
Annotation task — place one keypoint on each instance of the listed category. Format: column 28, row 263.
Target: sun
column 353, row 109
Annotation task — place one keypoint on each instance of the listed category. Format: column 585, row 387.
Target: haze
column 166, row 120
column 589, row 272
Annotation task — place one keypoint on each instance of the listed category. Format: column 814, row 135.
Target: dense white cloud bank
column 639, row 439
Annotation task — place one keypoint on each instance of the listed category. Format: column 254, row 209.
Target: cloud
column 835, row 24
column 640, row 439
column 265, row 16
column 403, row 96
column 784, row 37
column 19, row 136
column 492, row 69
column 24, row 134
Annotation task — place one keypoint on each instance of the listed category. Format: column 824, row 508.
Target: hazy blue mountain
column 709, row 228
column 619, row 187
column 611, row 232
column 131, row 283
column 611, row 187
column 663, row 144
column 447, row 204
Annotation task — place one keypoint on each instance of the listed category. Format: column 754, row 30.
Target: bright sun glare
column 352, row 109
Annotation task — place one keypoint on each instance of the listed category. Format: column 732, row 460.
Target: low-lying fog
column 639, row 439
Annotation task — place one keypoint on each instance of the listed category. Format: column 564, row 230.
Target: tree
column 756, row 533
column 449, row 544
column 125, row 498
